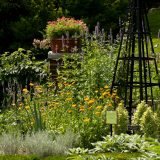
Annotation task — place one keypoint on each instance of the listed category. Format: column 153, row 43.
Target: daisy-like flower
column 91, row 101
column 86, row 120
column 99, row 107
column 25, row 90
column 31, row 84
column 74, row 105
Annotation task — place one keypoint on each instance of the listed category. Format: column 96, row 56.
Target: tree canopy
column 24, row 20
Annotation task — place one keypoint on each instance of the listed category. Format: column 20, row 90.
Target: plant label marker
column 111, row 118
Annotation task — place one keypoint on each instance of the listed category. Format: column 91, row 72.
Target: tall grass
column 40, row 143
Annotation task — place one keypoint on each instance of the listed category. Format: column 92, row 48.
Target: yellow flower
column 108, row 94
column 106, row 87
column 20, row 104
column 39, row 89
column 104, row 93
column 99, row 107
column 113, row 95
column 81, row 110
column 25, row 90
column 74, row 105
column 110, row 105
column 13, row 104
column 86, row 120
column 31, row 84
column 91, row 101
column 81, row 107
column 69, row 111
column 86, row 99
column 27, row 107
column 69, row 99
column 98, row 113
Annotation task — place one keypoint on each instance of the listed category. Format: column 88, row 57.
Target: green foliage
column 20, row 66
column 154, row 16
column 17, row 70
column 11, row 121
column 121, row 143
column 105, row 12
column 147, row 120
column 109, row 155
column 123, row 120
column 141, row 108
column 157, row 117
column 78, row 150
column 155, row 149
column 86, row 81
column 23, row 20
column 148, row 123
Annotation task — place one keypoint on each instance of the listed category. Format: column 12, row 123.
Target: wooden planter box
column 65, row 45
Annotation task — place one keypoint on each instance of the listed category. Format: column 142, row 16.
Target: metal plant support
column 136, row 70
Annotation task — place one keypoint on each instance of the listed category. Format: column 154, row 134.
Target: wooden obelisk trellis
column 136, row 71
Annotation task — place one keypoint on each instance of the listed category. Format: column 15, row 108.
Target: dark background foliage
column 24, row 20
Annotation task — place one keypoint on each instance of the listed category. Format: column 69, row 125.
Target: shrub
column 141, row 108
column 123, row 120
column 148, row 123
column 158, row 120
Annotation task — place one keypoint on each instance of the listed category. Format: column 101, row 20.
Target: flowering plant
column 64, row 26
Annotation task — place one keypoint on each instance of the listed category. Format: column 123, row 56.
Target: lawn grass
column 117, row 156
column 154, row 20
column 27, row 157
column 18, row 157
column 155, row 149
